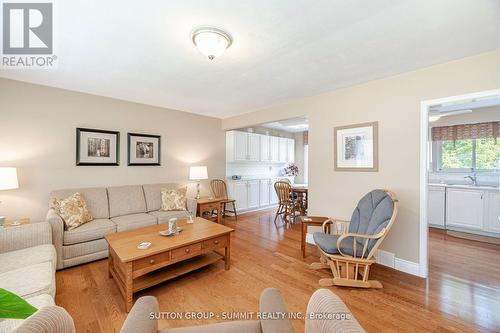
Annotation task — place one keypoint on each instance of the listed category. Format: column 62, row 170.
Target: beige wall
column 395, row 103
column 38, row 137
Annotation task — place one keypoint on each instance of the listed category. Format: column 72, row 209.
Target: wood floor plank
column 462, row 293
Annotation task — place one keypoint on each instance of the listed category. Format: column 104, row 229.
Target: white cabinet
column 464, row 208
column 493, row 214
column 291, row 151
column 265, row 192
column 265, row 153
column 436, row 206
column 273, row 197
column 242, row 146
column 253, row 194
column 283, row 150
column 274, row 148
column 240, row 194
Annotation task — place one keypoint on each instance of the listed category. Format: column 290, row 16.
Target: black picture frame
column 129, row 162
column 81, row 130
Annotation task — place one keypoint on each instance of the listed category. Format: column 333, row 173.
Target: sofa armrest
column 139, row 319
column 57, row 226
column 48, row 319
column 323, row 301
column 24, row 236
column 271, row 302
column 192, row 206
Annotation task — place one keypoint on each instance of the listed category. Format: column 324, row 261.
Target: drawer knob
column 216, row 242
column 152, row 261
column 187, row 250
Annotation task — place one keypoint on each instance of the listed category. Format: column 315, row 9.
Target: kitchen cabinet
column 273, row 197
column 274, row 149
column 436, row 199
column 291, row 151
column 242, row 146
column 493, row 214
column 265, row 153
column 465, row 208
column 265, row 192
column 253, row 194
column 240, row 194
column 283, row 150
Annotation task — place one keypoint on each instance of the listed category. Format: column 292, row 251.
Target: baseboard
column 388, row 259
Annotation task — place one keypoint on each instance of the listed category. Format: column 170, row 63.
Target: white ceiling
column 283, row 50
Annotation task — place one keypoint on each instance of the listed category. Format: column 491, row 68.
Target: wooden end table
column 207, row 205
column 310, row 221
column 196, row 246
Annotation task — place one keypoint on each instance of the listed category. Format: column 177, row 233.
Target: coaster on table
column 144, row 245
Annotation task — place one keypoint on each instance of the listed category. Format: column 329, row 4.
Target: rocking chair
column 350, row 254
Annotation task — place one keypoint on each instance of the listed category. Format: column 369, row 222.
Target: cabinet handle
column 152, row 261
column 216, row 242
column 187, row 250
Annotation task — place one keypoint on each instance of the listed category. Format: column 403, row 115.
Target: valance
column 466, row 131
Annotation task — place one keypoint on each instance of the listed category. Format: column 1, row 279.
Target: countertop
column 468, row 187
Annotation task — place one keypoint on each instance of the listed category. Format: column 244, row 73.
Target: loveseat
column 27, row 266
column 114, row 209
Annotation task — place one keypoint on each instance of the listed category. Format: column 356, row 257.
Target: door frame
column 424, row 161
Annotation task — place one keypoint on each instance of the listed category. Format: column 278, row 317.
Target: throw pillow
column 73, row 210
column 173, row 199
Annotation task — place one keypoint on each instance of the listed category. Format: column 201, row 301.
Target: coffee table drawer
column 186, row 251
column 154, row 260
column 215, row 242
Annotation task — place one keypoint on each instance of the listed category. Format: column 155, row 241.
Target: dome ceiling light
column 210, row 41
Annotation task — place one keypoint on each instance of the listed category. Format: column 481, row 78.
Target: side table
column 307, row 221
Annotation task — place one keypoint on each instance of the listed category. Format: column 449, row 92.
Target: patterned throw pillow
column 73, row 210
column 173, row 199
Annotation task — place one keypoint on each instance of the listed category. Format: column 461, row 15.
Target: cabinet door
column 435, row 206
column 265, row 153
column 283, row 150
column 291, row 151
column 464, row 208
column 253, row 194
column 493, row 212
column 240, row 194
column 253, row 147
column 265, row 185
column 274, row 148
column 273, row 197
column 240, row 146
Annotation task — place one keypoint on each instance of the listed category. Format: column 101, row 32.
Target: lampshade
column 8, row 179
column 212, row 42
column 198, row 172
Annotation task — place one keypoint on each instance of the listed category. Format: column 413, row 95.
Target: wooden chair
column 286, row 204
column 349, row 254
column 219, row 190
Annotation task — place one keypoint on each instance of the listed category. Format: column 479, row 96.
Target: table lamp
column 198, row 173
column 8, row 181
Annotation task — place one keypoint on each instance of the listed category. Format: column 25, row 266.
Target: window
column 466, row 155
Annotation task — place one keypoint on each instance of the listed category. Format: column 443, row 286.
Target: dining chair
column 219, row 190
column 286, row 203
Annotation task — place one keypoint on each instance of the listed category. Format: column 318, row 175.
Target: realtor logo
column 27, row 29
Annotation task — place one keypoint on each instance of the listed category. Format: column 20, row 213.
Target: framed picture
column 143, row 149
column 97, row 147
column 356, row 147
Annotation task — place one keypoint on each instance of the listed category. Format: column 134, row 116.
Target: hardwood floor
column 462, row 293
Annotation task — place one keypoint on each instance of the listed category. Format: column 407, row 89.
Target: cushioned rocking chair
column 350, row 254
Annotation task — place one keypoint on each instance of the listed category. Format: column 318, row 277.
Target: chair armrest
column 139, row 319
column 57, row 226
column 192, row 206
column 24, row 236
column 324, row 301
column 336, row 222
column 353, row 235
column 272, row 302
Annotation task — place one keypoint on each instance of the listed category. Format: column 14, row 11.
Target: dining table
column 302, row 197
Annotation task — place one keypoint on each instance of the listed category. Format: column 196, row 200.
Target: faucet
column 473, row 178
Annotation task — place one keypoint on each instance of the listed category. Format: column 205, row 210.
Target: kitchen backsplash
column 257, row 170
column 490, row 178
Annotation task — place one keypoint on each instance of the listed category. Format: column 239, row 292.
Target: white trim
column 406, row 266
column 424, row 128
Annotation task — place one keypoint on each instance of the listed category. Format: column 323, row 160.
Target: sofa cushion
column 328, row 243
column 73, row 210
column 81, row 250
column 95, row 197
column 133, row 221
column 152, row 193
column 124, row 200
column 38, row 302
column 30, row 281
column 173, row 199
column 95, row 229
column 164, row 216
column 28, row 256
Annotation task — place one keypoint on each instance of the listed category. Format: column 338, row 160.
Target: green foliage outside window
column 479, row 154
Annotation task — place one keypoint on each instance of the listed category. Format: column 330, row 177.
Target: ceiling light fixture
column 212, row 42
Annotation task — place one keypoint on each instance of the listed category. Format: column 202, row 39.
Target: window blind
column 466, row 131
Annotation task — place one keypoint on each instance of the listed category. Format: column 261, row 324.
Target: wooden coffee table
column 168, row 257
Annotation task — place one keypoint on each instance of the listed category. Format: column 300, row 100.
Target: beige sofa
column 114, row 209
column 27, row 266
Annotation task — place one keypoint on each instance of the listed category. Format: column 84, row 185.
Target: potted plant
column 291, row 170
column 13, row 306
